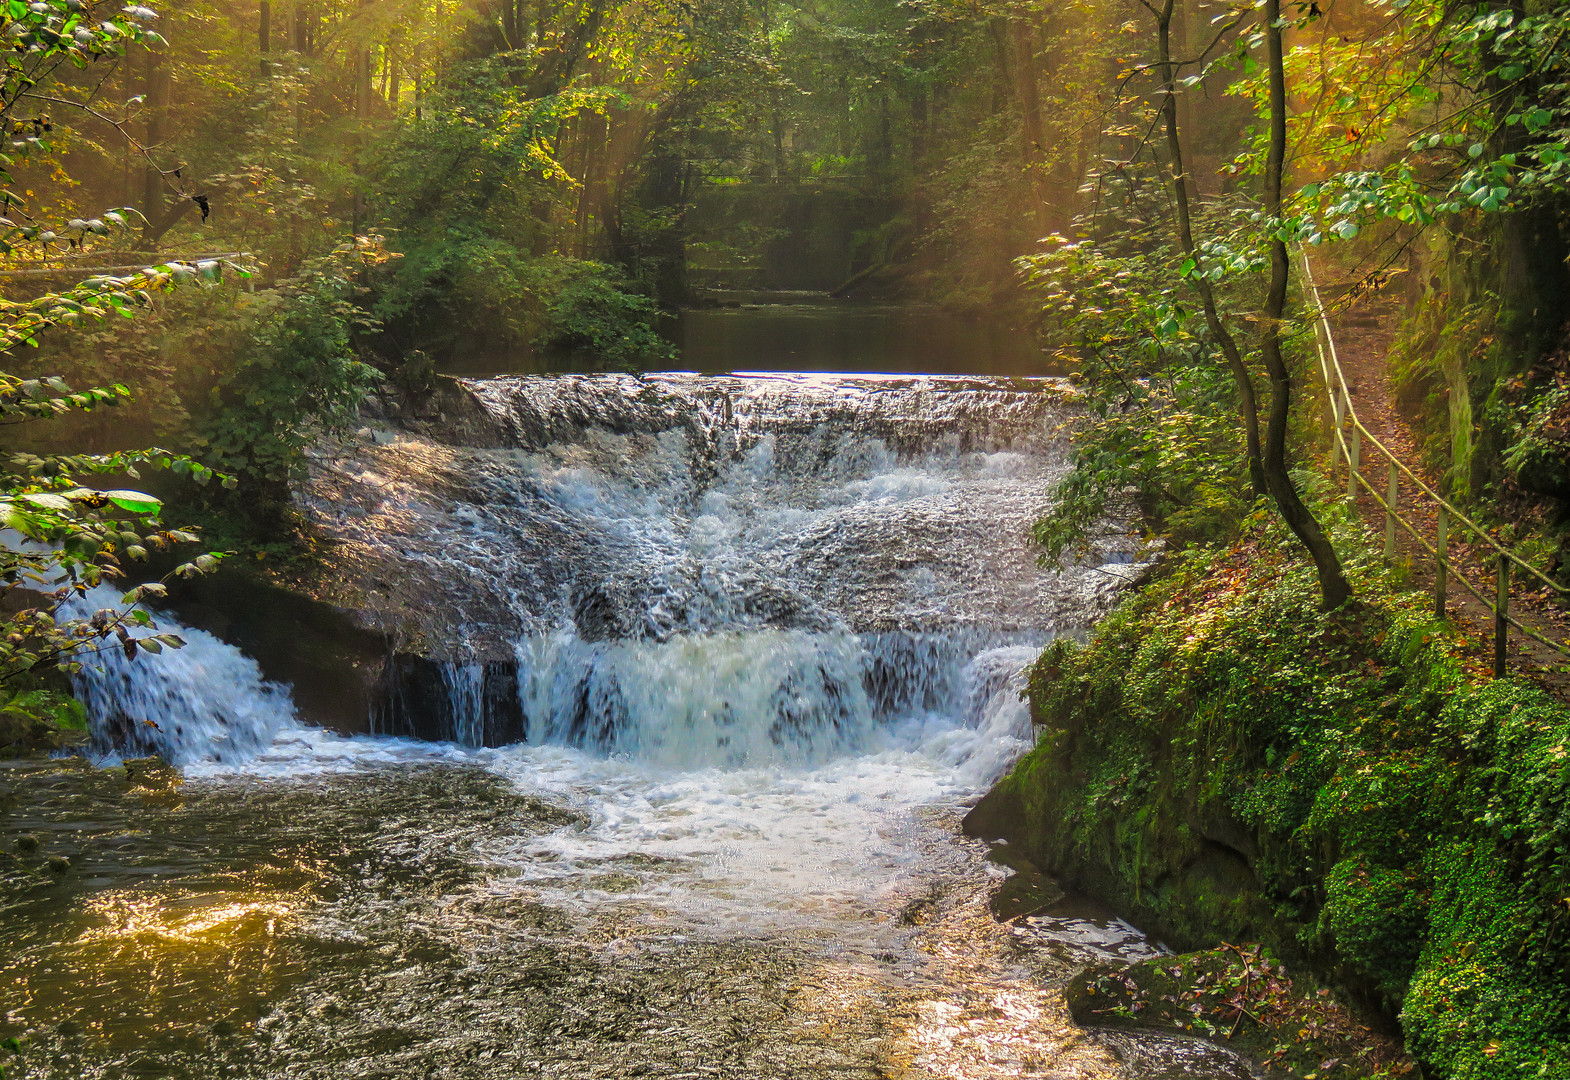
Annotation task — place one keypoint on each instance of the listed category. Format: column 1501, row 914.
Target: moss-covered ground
column 1226, row 762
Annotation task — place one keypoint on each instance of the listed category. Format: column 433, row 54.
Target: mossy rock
column 1242, row 998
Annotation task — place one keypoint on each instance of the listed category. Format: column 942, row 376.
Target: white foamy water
column 204, row 703
column 811, row 830
column 748, row 628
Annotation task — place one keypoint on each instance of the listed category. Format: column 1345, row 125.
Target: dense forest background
column 411, row 181
column 361, row 193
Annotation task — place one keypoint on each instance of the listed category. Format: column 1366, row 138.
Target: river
column 694, row 678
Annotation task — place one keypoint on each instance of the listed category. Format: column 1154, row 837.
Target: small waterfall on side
column 206, row 702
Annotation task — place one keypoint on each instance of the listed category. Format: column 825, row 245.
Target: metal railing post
column 1354, row 453
column 1441, row 543
column 1391, row 495
column 1502, row 616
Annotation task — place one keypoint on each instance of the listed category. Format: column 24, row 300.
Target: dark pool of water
column 746, row 331
column 809, row 332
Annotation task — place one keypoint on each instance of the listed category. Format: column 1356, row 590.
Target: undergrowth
column 1233, row 763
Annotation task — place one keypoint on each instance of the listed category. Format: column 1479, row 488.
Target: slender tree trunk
column 394, row 70
column 593, row 135
column 363, row 89
column 1023, row 42
column 1248, row 401
column 510, row 33
column 1334, row 588
column 1000, row 63
column 156, row 89
column 264, row 31
column 418, row 60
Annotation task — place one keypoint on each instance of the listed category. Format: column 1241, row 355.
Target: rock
column 1243, row 998
column 59, row 864
column 918, row 911
column 998, row 816
column 27, row 844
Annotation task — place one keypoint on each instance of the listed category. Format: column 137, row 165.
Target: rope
column 1324, row 341
column 1334, row 363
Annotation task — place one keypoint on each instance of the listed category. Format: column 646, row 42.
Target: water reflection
column 132, row 963
column 771, row 331
column 755, row 332
column 368, row 924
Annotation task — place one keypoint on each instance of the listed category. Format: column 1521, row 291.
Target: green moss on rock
column 1243, row 998
column 1225, row 762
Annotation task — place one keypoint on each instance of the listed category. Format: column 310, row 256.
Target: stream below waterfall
column 693, row 680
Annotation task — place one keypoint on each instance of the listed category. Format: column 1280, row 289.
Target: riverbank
column 1222, row 761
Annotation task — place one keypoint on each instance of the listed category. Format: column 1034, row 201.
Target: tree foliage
column 64, row 535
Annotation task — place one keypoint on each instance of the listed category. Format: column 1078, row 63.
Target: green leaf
column 135, row 501
column 47, row 500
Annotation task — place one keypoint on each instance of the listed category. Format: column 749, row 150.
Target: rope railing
column 1344, row 421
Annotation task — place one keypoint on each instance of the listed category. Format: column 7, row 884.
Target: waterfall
column 688, row 571
column 206, row 702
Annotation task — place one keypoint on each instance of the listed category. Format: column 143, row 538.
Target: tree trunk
column 394, row 71
column 510, row 18
column 264, row 31
column 1529, row 247
column 1334, row 588
column 156, row 89
column 1248, row 401
column 1000, row 63
column 1023, row 42
column 418, row 61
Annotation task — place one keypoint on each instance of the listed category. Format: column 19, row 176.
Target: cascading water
column 710, row 576
column 204, row 703
column 749, row 615
column 699, row 671
column 708, row 571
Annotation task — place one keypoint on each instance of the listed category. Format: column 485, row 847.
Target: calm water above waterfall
column 692, row 678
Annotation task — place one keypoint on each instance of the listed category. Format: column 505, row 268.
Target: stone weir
column 756, row 561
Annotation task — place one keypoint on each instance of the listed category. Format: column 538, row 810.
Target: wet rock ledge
column 1242, row 997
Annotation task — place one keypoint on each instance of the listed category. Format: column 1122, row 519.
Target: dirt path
column 1364, row 335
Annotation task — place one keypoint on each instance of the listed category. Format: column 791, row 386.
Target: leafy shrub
column 586, row 306
column 1160, row 427
column 1377, row 918
column 284, row 370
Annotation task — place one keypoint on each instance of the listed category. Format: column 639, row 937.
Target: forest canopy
column 403, row 182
